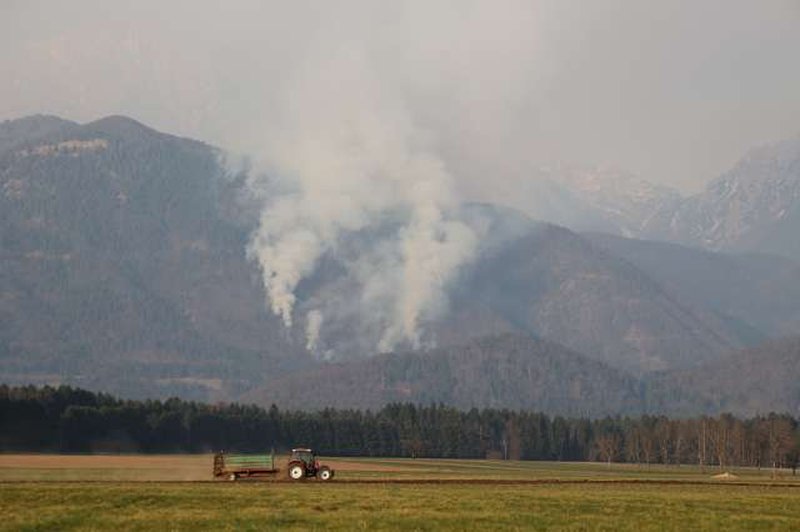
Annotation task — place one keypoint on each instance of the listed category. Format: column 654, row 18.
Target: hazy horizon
column 674, row 92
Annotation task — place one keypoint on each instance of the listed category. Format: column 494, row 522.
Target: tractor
column 303, row 463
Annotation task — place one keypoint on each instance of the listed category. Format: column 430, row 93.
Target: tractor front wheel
column 325, row 473
column 296, row 471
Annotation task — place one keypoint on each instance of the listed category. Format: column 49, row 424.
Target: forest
column 71, row 420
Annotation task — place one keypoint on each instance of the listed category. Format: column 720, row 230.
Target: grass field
column 45, row 492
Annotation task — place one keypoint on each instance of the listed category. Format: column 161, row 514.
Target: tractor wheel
column 325, row 473
column 233, row 476
column 297, row 472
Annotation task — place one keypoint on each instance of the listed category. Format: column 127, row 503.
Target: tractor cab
column 303, row 464
column 306, row 456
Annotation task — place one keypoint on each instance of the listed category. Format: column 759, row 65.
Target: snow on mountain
column 624, row 201
column 755, row 206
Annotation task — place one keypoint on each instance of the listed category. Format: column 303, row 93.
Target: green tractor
column 304, row 464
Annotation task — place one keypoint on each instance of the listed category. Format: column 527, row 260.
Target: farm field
column 47, row 492
column 197, row 467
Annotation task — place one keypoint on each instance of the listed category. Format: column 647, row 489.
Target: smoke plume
column 350, row 163
column 313, row 326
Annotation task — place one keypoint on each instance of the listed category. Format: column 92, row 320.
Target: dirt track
column 197, row 469
column 54, row 461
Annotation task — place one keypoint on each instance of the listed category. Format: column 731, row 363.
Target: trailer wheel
column 325, row 473
column 296, row 472
column 233, row 476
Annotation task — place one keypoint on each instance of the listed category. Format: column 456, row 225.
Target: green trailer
column 235, row 466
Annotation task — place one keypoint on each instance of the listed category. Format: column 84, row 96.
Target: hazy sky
column 672, row 90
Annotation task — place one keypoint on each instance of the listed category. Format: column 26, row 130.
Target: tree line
column 65, row 419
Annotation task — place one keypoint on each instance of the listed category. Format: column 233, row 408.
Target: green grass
column 40, row 492
column 343, row 506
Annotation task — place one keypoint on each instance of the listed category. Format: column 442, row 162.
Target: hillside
column 538, row 279
column 760, row 294
column 15, row 133
column 754, row 381
column 520, row 372
column 121, row 269
column 507, row 371
column 553, row 283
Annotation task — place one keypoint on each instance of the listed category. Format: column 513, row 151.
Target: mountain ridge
column 125, row 271
column 752, row 207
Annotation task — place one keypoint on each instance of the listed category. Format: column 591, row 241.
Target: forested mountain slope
column 507, row 371
column 520, row 372
column 552, row 283
column 760, row 293
column 124, row 270
column 753, row 381
column 121, row 270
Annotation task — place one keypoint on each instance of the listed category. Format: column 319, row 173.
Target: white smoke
column 348, row 157
column 313, row 326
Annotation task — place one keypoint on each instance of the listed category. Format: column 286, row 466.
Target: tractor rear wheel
column 325, row 473
column 296, row 471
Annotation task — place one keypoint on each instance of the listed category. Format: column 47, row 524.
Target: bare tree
column 608, row 447
column 680, row 433
column 648, row 445
column 793, row 458
column 738, row 443
column 720, row 438
column 780, row 440
column 663, row 436
column 702, row 439
column 633, row 446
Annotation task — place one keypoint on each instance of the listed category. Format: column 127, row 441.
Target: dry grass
column 197, row 467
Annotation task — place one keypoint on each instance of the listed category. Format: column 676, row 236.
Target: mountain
column 16, row 132
column 543, row 280
column 506, row 371
column 754, row 381
column 753, row 207
column 625, row 203
column 589, row 198
column 122, row 268
column 758, row 293
column 553, row 283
